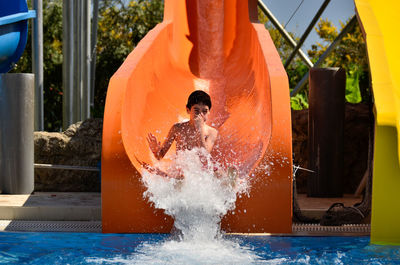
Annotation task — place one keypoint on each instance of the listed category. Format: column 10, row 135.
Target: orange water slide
column 219, row 47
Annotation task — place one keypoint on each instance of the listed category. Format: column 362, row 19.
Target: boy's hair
column 198, row 97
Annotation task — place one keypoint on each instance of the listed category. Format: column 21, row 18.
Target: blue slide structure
column 14, row 17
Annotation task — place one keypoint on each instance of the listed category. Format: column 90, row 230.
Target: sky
column 337, row 10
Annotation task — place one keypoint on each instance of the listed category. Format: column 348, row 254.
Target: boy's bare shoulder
column 212, row 130
column 181, row 125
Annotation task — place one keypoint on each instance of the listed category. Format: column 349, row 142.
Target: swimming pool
column 93, row 248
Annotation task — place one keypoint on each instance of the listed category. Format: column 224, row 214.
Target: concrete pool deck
column 81, row 212
column 51, row 206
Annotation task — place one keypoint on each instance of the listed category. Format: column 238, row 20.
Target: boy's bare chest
column 189, row 139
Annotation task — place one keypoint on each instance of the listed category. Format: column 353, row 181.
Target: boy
column 189, row 134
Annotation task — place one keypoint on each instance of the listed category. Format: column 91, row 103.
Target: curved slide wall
column 213, row 46
column 379, row 20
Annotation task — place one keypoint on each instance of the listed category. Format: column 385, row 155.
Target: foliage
column 296, row 70
column 284, row 49
column 52, row 63
column 122, row 25
column 350, row 55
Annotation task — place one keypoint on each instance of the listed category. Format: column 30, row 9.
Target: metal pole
column 66, row 167
column 77, row 63
column 85, row 46
column 68, row 63
column 328, row 51
column 16, row 133
column 37, row 64
column 305, row 34
column 93, row 49
column 284, row 33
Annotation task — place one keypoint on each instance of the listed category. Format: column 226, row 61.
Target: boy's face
column 199, row 109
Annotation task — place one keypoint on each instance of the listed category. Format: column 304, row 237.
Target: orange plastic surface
column 210, row 45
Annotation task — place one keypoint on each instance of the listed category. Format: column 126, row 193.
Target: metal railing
column 66, row 167
column 306, row 33
column 284, row 33
column 328, row 51
column 297, row 46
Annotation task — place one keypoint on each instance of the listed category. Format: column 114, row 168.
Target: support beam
column 66, row 167
column 85, row 59
column 328, row 51
column 93, row 43
column 68, row 63
column 77, row 52
column 284, row 33
column 77, row 61
column 306, row 33
column 16, row 133
column 37, row 64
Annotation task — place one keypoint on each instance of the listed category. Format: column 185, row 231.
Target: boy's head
column 198, row 97
column 199, row 103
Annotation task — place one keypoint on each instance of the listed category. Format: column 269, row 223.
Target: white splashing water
column 199, row 200
column 184, row 252
column 197, row 203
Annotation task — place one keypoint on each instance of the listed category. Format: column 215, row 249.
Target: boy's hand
column 154, row 145
column 199, row 121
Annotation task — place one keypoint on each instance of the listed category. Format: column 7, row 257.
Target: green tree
column 52, row 63
column 296, row 70
column 122, row 25
column 281, row 44
column 350, row 54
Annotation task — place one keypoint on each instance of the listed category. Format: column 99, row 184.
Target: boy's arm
column 156, row 170
column 159, row 150
column 200, row 126
column 208, row 143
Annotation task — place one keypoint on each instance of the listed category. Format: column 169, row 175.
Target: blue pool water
column 91, row 248
column 197, row 205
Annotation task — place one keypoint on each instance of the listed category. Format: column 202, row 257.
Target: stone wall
column 79, row 145
column 356, row 130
